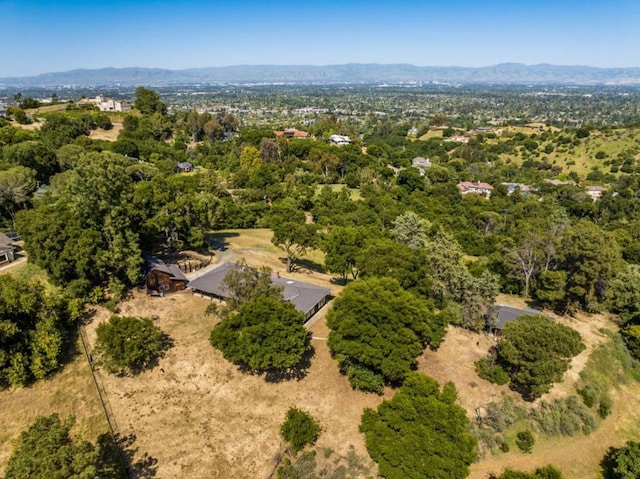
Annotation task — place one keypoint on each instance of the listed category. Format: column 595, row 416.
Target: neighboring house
column 421, row 164
column 556, row 182
column 161, row 278
column 307, row 298
column 503, row 314
column 524, row 189
column 339, row 140
column 3, row 111
column 475, row 187
column 292, row 133
column 458, row 139
column 413, row 131
column 109, row 104
column 7, row 249
column 184, row 167
column 595, row 192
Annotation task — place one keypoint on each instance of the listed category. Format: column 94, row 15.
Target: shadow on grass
column 301, row 265
column 277, row 375
column 144, row 467
column 220, row 241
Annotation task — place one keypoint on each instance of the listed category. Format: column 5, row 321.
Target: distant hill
column 504, row 73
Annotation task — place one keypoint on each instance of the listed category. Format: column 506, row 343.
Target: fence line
column 106, row 405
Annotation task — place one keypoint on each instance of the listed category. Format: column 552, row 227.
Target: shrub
column 299, row 429
column 525, row 441
column 365, row 379
column 494, row 373
column 565, row 417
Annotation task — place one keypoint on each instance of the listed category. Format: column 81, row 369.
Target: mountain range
column 355, row 73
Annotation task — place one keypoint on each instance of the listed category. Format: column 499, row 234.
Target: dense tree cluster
column 48, row 451
column 377, row 331
column 35, row 328
column 622, row 462
column 420, row 432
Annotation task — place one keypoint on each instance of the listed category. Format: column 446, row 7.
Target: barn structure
column 161, row 278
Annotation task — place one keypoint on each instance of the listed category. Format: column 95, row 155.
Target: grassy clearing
column 69, row 392
column 609, row 371
column 336, row 187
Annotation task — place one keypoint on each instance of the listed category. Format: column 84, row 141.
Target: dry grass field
column 109, row 135
column 70, row 392
column 198, row 416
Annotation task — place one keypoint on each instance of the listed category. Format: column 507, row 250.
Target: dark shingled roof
column 154, row 263
column 509, row 313
column 303, row 296
column 5, row 240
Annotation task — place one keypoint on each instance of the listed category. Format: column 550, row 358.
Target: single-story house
column 161, row 278
column 184, row 167
column 339, row 140
column 307, row 298
column 476, row 187
column 293, row 133
column 503, row 314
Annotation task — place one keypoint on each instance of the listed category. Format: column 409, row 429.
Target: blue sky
column 58, row 35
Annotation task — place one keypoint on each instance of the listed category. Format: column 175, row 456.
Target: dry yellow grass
column 70, row 392
column 109, row 135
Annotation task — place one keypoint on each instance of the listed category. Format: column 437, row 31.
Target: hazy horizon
column 43, row 37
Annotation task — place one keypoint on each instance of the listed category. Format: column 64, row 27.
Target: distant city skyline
column 41, row 37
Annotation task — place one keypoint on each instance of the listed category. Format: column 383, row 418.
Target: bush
column 494, row 373
column 604, row 408
column 299, row 429
column 565, row 417
column 364, row 379
column 525, row 441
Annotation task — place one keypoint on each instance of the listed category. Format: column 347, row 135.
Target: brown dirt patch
column 109, row 135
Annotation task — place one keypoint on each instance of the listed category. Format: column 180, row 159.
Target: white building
column 109, row 104
column 339, row 140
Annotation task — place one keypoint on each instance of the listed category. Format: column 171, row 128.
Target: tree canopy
column 48, row 451
column 264, row 334
column 536, row 352
column 420, row 433
column 377, row 331
column 299, row 429
column 35, row 327
column 127, row 344
column 623, row 462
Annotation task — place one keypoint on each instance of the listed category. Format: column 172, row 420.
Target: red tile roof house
column 476, row 187
column 293, row 133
